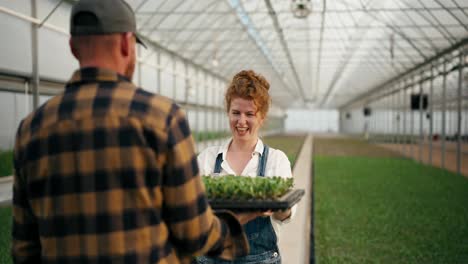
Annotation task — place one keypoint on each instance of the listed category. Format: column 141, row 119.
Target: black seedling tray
column 286, row 201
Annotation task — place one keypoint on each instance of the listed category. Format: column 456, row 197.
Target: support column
column 413, row 81
column 400, row 116
column 431, row 114
column 197, row 103
column 406, row 140
column 421, row 133
column 187, row 83
column 444, row 113
column 206, row 110
column 459, row 109
column 158, row 72
column 174, row 75
column 35, row 82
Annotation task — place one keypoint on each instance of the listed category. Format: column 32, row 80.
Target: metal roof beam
column 187, row 41
column 152, row 15
column 460, row 8
column 465, row 25
column 239, row 11
column 285, row 47
column 319, row 55
column 416, row 68
column 454, row 26
column 329, row 11
column 439, row 27
column 422, row 32
column 344, row 63
column 213, row 40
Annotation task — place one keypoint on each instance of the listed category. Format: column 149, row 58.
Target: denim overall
column 260, row 232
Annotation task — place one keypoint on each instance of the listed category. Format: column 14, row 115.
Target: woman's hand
column 268, row 213
column 244, row 218
column 282, row 215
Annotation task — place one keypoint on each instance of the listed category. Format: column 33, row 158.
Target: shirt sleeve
column 194, row 228
column 202, row 162
column 283, row 166
column 283, row 169
column 26, row 246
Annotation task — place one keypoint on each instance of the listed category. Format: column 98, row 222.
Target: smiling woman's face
column 244, row 120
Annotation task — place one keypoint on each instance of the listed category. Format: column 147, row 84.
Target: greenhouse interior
column 369, row 103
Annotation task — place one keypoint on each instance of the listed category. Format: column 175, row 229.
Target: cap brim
column 140, row 41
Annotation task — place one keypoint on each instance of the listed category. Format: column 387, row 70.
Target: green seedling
column 232, row 187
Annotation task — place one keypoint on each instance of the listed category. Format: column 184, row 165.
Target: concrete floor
column 295, row 236
column 6, row 189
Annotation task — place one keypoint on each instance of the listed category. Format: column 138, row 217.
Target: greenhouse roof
column 339, row 52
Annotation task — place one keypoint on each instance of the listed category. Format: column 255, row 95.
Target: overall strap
column 262, row 162
column 219, row 160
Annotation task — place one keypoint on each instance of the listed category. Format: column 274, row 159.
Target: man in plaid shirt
column 106, row 172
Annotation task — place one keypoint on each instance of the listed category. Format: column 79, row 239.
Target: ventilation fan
column 301, row 8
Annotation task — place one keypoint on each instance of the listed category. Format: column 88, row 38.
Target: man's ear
column 73, row 49
column 125, row 43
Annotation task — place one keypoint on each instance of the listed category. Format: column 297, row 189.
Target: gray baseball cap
column 99, row 17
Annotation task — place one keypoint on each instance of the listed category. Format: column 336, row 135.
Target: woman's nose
column 241, row 119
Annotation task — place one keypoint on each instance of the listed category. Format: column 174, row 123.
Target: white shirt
column 277, row 165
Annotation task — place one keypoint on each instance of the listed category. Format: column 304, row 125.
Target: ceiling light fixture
column 301, row 8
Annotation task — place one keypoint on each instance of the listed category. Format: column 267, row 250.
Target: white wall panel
column 180, row 81
column 312, row 120
column 55, row 58
column 149, row 78
column 15, row 107
column 355, row 124
column 15, row 54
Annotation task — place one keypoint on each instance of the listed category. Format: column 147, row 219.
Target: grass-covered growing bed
column 210, row 135
column 6, row 163
column 388, row 210
column 5, row 235
column 289, row 144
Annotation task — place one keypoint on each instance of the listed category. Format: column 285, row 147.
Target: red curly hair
column 249, row 85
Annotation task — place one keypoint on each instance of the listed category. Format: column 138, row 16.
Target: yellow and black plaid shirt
column 106, row 173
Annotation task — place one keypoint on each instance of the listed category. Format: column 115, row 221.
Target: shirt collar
column 224, row 147
column 92, row 74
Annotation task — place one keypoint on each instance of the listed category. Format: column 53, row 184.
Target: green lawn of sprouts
column 210, row 135
column 388, row 210
column 6, row 163
column 289, row 144
column 5, row 234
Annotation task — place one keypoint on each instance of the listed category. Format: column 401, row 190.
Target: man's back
column 93, row 166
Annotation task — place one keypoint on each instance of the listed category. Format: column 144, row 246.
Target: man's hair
column 249, row 85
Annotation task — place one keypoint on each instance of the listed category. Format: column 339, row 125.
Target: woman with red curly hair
column 247, row 103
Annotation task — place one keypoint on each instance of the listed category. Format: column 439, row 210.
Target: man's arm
column 195, row 230
column 26, row 246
